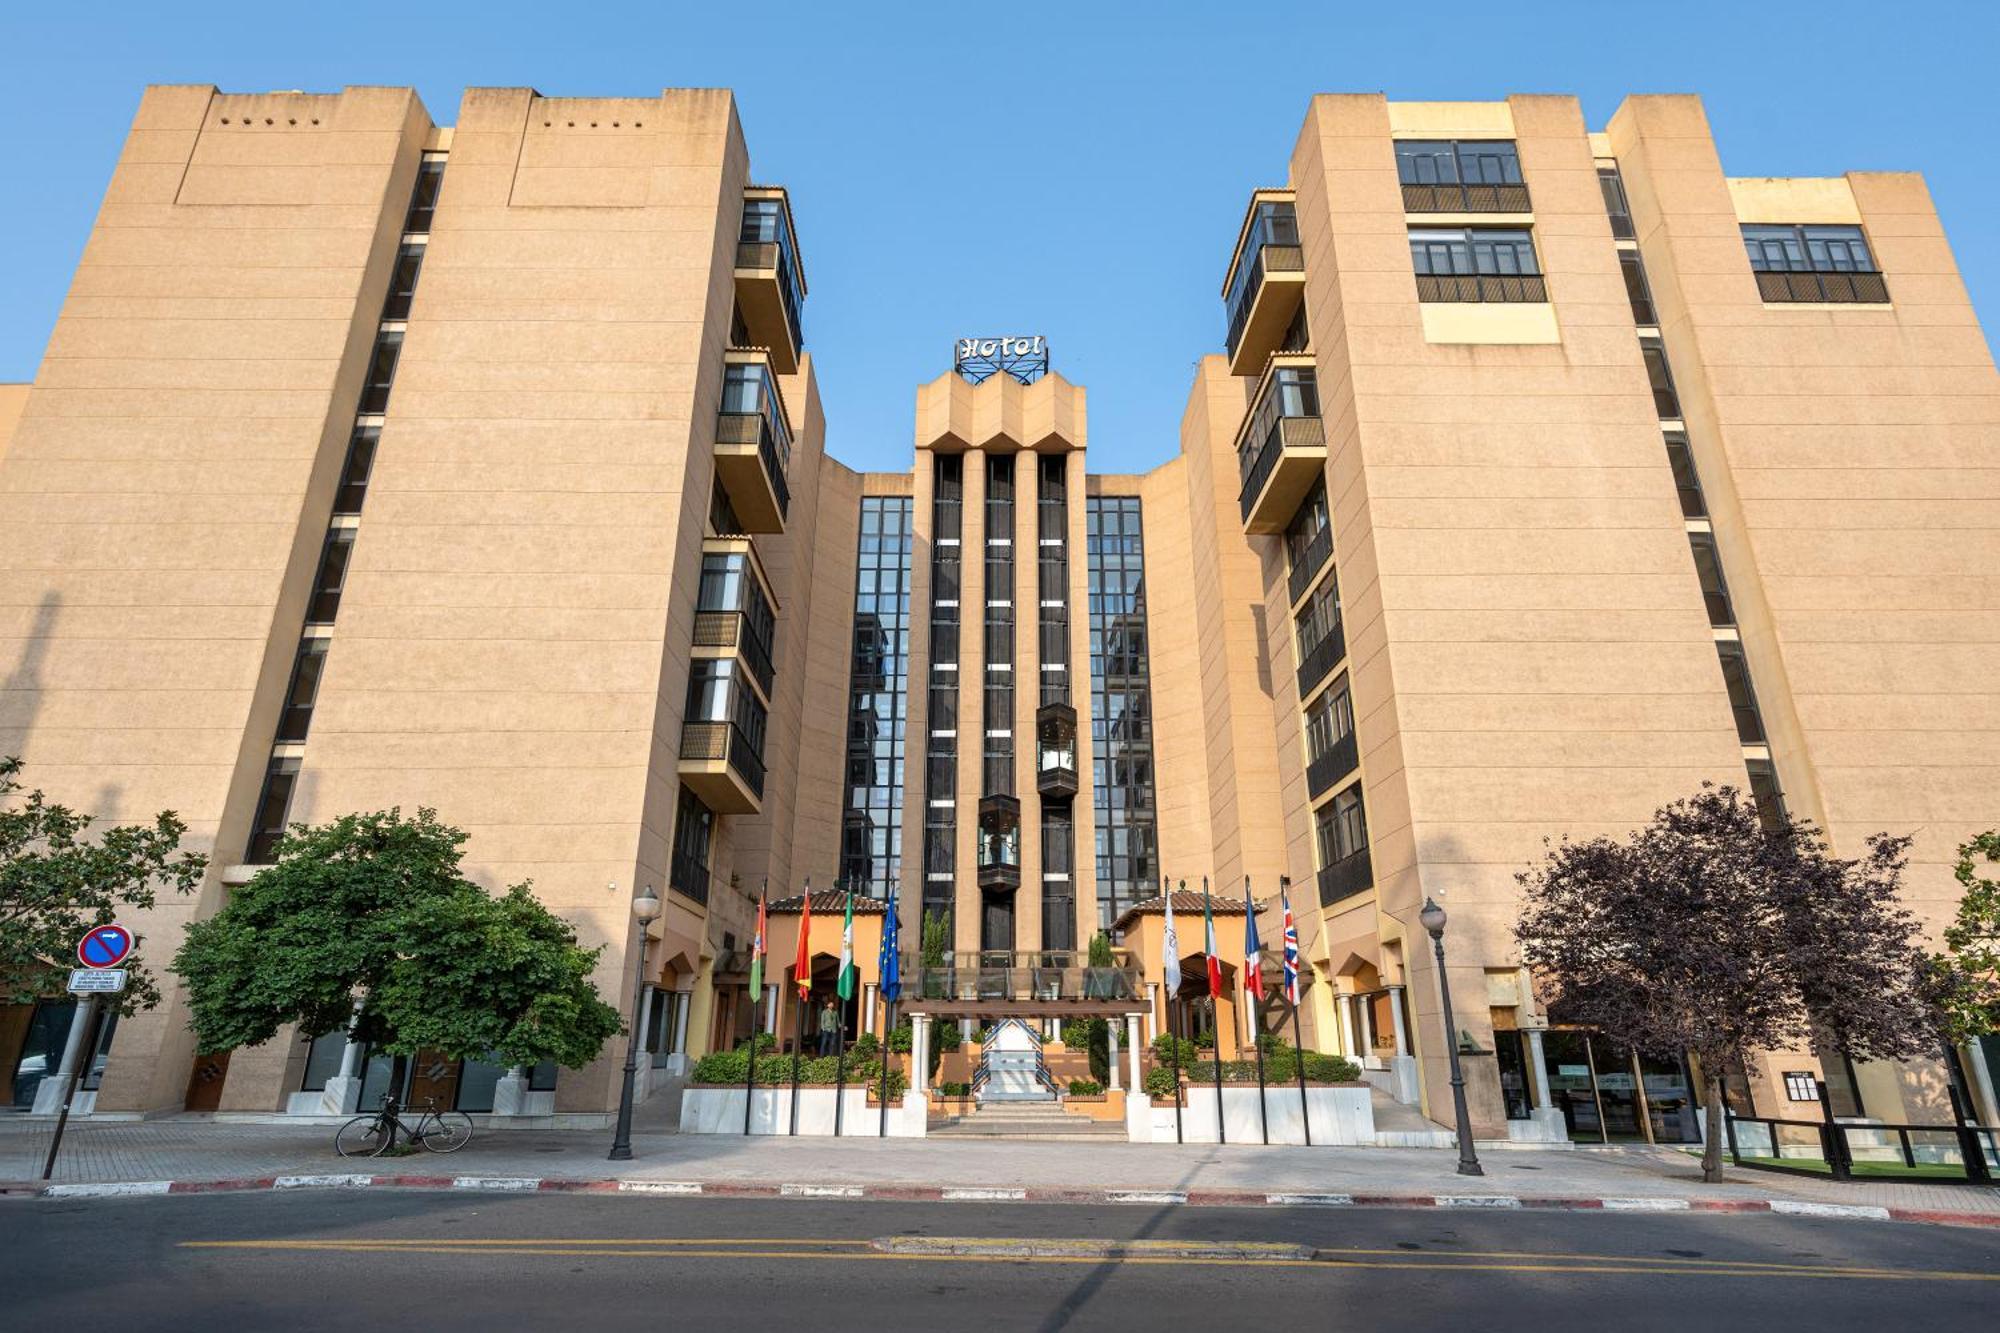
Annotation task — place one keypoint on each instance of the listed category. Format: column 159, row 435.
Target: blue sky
column 1075, row 170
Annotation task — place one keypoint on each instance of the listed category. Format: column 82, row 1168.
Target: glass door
column 1670, row 1099
column 1619, row 1098
column 1566, row 1054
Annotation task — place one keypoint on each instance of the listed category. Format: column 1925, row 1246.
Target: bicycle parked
column 373, row 1134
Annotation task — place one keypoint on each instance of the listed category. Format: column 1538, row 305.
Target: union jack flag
column 1291, row 947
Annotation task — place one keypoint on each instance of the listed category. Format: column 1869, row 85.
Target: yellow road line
column 1549, row 1264
column 389, row 1241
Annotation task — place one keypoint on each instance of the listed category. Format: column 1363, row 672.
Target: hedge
column 728, row 1069
column 1280, row 1067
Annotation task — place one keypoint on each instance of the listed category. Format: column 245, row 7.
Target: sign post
column 100, row 952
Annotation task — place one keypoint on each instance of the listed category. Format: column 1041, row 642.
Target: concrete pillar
column 1132, row 1047
column 1152, row 1011
column 867, row 1006
column 1342, row 1036
column 771, row 1010
column 1986, row 1105
column 1403, row 1082
column 1111, row 1034
column 1357, row 1023
column 1538, row 1069
column 342, row 1094
column 49, row 1093
column 1544, row 1115
column 920, row 1053
column 681, row 1010
column 1397, row 1019
column 510, row 1094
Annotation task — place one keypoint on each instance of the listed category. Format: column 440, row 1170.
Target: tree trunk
column 1712, row 1139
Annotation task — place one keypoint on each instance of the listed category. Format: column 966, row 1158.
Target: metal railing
column 772, row 256
column 725, row 741
column 1465, row 198
column 1863, row 1151
column 1046, row 975
column 755, row 428
column 1285, row 433
column 1342, row 758
column 1270, row 259
column 1845, row 288
column 688, row 877
column 1346, row 877
column 1322, row 658
column 1319, row 549
column 1487, row 287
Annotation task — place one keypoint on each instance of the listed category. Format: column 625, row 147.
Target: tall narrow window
column 424, row 198
column 694, row 830
column 381, row 374
column 274, row 803
column 871, row 854
column 1616, row 205
column 403, row 282
column 303, row 691
column 1708, row 568
column 941, row 741
column 1687, row 484
column 356, row 471
column 331, row 580
column 1637, row 290
column 1121, row 722
column 1665, row 401
column 1742, row 698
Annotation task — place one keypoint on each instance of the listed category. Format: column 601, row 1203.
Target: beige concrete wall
column 823, row 660
column 166, row 489
column 13, row 402
column 512, row 647
column 1527, row 643
column 1845, row 455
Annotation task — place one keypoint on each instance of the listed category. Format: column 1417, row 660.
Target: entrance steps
column 1400, row 1126
column 1042, row 1120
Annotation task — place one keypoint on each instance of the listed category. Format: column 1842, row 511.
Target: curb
column 897, row 1193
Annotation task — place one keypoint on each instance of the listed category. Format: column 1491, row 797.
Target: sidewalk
column 195, row 1152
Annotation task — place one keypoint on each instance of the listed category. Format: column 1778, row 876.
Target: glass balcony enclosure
column 1476, row 264
column 1055, row 750
column 733, row 609
column 770, row 280
column 999, row 842
column 722, row 737
column 1460, row 176
column 1830, row 264
column 753, row 443
column 1265, row 287
column 1281, row 452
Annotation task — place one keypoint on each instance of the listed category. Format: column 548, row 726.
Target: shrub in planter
column 766, row 1042
column 1160, row 1083
column 954, row 1089
column 731, row 1068
column 866, row 1047
column 1085, row 1087
column 1093, row 1037
column 1165, row 1045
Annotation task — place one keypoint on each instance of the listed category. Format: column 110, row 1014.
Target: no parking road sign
column 105, row 946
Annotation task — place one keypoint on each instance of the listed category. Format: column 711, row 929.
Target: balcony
column 1467, row 197
column 1340, row 759
column 1828, row 288
column 735, row 614
column 1308, row 562
column 1266, row 283
column 1281, row 452
column 999, row 843
column 1055, row 751
column 1345, row 878
column 1320, row 659
column 770, row 281
column 720, row 764
column 1526, row 288
column 1005, row 977
column 753, row 443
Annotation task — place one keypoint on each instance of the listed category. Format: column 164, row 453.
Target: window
column 403, row 282
column 1814, row 263
column 304, row 689
column 1476, row 264
column 1340, row 836
column 1320, row 641
column 1636, row 289
column 1460, row 176
column 331, row 580
column 381, row 374
column 1665, row 401
column 424, row 197
column 722, row 520
column 1765, row 792
column 941, row 750
column 354, row 474
column 1121, row 733
column 1058, row 886
column 1687, row 484
column 1289, row 391
column 709, row 693
column 1308, row 540
column 765, row 223
column 1742, row 698
column 273, row 804
column 1708, row 568
column 878, row 695
column 1273, row 222
column 694, row 830
column 1330, row 747
column 1616, row 204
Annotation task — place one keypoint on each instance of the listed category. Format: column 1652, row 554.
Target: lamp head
column 1432, row 917
column 646, row 904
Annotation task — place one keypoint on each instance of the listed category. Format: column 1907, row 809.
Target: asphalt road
column 439, row 1261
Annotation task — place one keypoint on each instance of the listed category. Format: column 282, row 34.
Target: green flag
column 847, row 969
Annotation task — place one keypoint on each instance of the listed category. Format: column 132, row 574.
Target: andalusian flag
column 802, row 967
column 848, row 972
column 1208, row 942
column 758, row 948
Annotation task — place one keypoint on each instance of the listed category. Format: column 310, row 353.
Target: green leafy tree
column 1966, row 977
column 57, row 882
column 1707, row 932
column 372, row 908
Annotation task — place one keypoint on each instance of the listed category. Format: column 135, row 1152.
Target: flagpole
column 750, row 1078
column 1174, row 1045
column 1298, row 1041
column 758, row 948
column 1214, row 1002
column 1252, row 992
column 888, row 1026
column 798, row 1050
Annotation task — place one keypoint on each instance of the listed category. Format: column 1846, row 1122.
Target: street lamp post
column 645, row 907
column 1432, row 917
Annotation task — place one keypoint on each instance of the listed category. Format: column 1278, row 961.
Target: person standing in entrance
column 829, row 1028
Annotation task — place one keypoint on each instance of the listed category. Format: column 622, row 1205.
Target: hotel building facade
column 1541, row 474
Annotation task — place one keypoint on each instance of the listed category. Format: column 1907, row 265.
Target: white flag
column 1170, row 948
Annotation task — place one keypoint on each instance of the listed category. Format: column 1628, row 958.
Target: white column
column 920, row 1052
column 1343, row 1036
column 1152, row 1010
column 1111, row 1034
column 681, row 1009
column 1132, row 1049
column 1396, row 1018
column 510, row 1094
column 1357, row 1023
column 867, row 1006
column 342, row 1093
column 1987, row 1108
column 49, row 1092
column 771, row 1010
column 1538, row 1069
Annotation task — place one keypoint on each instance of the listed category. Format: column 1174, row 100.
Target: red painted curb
column 1938, row 1217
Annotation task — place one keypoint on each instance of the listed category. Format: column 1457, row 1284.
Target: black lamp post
column 1432, row 917
column 645, row 907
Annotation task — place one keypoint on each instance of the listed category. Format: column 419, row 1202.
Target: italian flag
column 848, row 972
column 1208, row 943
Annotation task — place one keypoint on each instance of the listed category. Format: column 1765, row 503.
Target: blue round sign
column 105, row 946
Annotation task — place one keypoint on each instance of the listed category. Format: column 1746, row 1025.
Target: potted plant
column 936, row 943
column 1100, row 976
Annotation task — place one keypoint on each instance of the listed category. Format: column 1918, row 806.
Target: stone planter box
column 1341, row 1115
column 718, row 1110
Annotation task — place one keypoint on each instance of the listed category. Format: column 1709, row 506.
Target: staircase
column 1011, row 1068
column 1042, row 1120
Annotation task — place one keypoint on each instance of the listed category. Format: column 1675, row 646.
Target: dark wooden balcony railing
column 730, row 629
column 1465, row 198
column 1345, row 878
column 1828, row 288
column 1321, row 658
column 1340, row 759
column 755, row 428
column 725, row 741
column 1483, row 287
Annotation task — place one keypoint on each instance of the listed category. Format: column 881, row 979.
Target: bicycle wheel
column 446, row 1131
column 364, row 1136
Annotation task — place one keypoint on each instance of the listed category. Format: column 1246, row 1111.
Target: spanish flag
column 802, row 969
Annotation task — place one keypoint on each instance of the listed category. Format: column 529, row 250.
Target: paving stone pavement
column 188, row 1149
